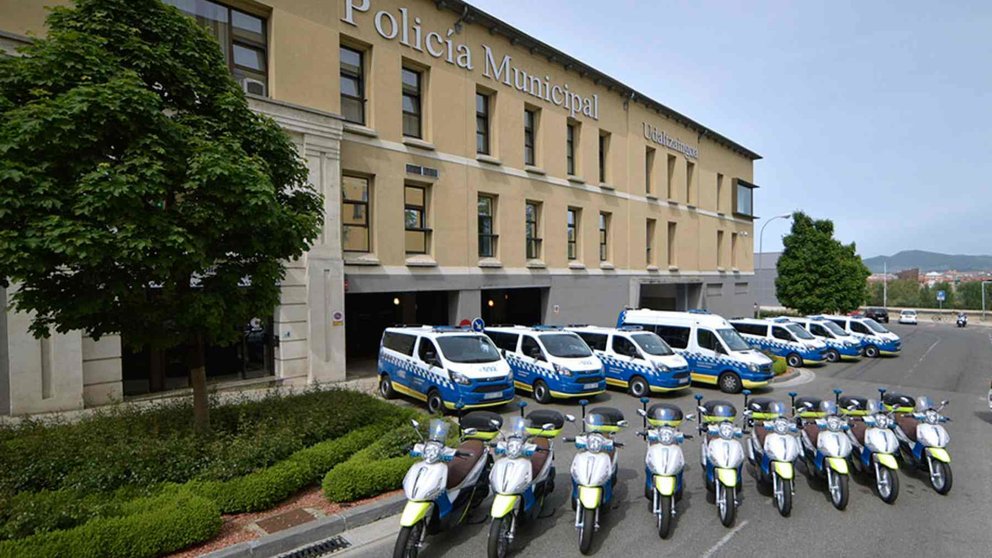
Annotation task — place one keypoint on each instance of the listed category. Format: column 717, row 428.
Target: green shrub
column 153, row 526
column 354, row 480
column 779, row 367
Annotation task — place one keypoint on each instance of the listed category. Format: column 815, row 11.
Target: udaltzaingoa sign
column 661, row 138
column 408, row 30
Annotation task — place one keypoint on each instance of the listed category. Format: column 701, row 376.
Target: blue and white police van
column 784, row 339
column 549, row 362
column 716, row 353
column 636, row 360
column 876, row 338
column 841, row 345
column 446, row 367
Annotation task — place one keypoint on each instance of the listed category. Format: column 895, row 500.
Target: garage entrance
column 370, row 313
column 524, row 306
column 677, row 297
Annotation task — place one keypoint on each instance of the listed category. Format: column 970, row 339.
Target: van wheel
column 730, row 382
column 833, row 355
column 541, row 392
column 638, row 386
column 794, row 360
column 871, row 351
column 386, row 387
column 435, row 405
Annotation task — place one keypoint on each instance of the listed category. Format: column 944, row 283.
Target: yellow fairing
column 940, row 454
column 413, row 513
column 609, row 429
column 590, row 496
column 503, row 505
column 784, row 469
column 486, row 436
column 765, row 416
column 838, row 464
column 665, row 485
column 727, row 476
column 888, row 460
column 656, row 423
column 544, row 433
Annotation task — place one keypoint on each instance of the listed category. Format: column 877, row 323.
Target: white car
column 907, row 317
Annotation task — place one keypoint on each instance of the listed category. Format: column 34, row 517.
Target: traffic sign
column 941, row 296
column 478, row 325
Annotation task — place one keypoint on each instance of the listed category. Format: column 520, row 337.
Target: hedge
column 779, row 366
column 372, row 471
column 157, row 526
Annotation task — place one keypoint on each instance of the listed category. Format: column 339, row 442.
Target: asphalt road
column 938, row 360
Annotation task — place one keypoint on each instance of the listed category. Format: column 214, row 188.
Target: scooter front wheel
column 587, row 520
column 499, row 536
column 727, row 508
column 940, row 477
column 839, row 491
column 408, row 541
column 887, row 485
column 665, row 516
column 783, row 499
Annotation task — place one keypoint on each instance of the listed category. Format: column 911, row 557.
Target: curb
column 792, row 373
column 313, row 531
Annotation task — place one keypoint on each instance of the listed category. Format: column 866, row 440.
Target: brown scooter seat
column 858, row 428
column 760, row 432
column 908, row 425
column 813, row 431
column 461, row 466
column 540, row 457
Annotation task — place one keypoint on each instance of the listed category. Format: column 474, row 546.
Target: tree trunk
column 198, row 380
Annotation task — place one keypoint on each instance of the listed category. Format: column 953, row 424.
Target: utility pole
column 761, row 251
column 885, row 284
column 983, row 298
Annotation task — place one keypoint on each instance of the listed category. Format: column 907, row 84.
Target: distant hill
column 929, row 261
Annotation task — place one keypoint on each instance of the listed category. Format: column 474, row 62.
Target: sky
column 876, row 115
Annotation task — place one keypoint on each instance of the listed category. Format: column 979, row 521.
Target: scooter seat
column 908, row 425
column 812, row 431
column 540, row 457
column 461, row 466
column 760, row 432
column 858, row 429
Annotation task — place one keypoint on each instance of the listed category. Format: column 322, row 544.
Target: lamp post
column 983, row 298
column 761, row 243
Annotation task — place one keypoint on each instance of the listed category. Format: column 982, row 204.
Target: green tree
column 969, row 295
column 816, row 272
column 138, row 193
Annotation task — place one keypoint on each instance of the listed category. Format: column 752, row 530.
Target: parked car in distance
column 907, row 317
column 877, row 314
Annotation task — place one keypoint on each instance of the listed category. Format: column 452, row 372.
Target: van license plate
column 590, row 386
column 493, row 395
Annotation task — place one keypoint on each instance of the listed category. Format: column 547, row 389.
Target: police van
column 841, row 345
column 443, row 366
column 549, row 362
column 784, row 339
column 877, row 340
column 635, row 359
column 715, row 352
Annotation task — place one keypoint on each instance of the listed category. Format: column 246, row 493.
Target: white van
column 841, row 345
column 876, row 338
column 549, row 361
column 716, row 353
column 783, row 339
column 636, row 360
column 446, row 367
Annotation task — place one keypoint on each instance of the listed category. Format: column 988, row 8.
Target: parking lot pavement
column 939, row 361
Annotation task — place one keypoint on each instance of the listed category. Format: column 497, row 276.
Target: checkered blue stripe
column 609, row 360
column 520, row 364
column 713, row 360
column 771, row 344
column 419, row 370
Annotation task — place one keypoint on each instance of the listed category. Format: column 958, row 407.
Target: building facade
column 468, row 170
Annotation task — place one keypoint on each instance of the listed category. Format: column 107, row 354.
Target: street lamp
column 983, row 298
column 761, row 242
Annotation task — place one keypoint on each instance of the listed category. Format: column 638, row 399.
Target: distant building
column 765, row 273
column 913, row 274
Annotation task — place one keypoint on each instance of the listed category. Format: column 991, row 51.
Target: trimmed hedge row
column 372, row 471
column 156, row 526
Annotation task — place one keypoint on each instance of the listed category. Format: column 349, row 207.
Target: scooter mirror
column 570, row 418
column 944, row 402
column 470, row 431
column 548, row 426
column 690, row 416
column 642, row 412
column 415, row 423
column 623, row 424
column 701, row 409
column 495, row 423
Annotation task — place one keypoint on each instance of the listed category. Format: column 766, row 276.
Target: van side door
column 599, row 343
column 531, row 353
column 710, row 349
column 627, row 357
column 430, row 359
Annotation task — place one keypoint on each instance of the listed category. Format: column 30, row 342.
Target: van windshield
column 875, row 326
column 799, row 332
column 565, row 345
column 651, row 344
column 833, row 328
column 468, row 348
column 733, row 340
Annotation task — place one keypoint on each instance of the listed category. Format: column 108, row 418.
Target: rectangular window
column 530, row 136
column 487, row 233
column 572, row 234
column 604, row 156
column 353, row 85
column 412, row 108
column 415, row 220
column 672, row 260
column 604, row 237
column 719, row 248
column 399, row 342
column 596, row 341
column 505, row 341
column 690, row 170
column 677, row 337
column 649, row 242
column 671, row 177
column 648, row 168
column 719, row 193
column 744, row 193
column 571, row 139
column 533, row 215
column 733, row 250
column 482, row 123
column 355, row 228
column 242, row 36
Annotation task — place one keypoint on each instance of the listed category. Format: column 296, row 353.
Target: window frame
column 739, row 186
column 492, row 236
column 366, row 203
column 649, row 154
column 604, row 147
column 423, row 227
column 571, row 140
column 620, row 339
column 651, row 227
column 573, row 215
column 532, row 241
column 605, row 219
column 530, row 134
column 673, row 231
column 359, row 77
column 485, row 119
column 417, row 96
column 719, row 249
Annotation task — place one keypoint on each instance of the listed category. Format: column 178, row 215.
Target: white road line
column 919, row 362
column 726, row 538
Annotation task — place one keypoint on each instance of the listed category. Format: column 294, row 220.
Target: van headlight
column 460, row 378
column 562, row 370
column 659, row 367
column 752, row 367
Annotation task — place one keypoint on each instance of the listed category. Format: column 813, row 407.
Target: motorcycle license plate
column 493, row 395
column 590, row 386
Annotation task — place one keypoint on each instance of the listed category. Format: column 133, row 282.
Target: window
column 572, row 234
column 415, row 220
column 355, row 214
column 649, row 242
column 733, row 250
column 719, row 248
column 427, row 352
column 677, row 337
column 529, row 347
column 672, row 260
column 487, row 234
column 648, row 168
column 782, row 334
column 242, row 37
column 604, row 147
column 505, row 341
column 744, row 192
column 530, row 136
column 820, row 331
column 482, row 123
column 671, row 177
column 533, row 215
column 399, row 342
column 690, row 170
column 719, row 193
column 751, row 329
column 412, row 107
column 858, row 327
column 707, row 340
column 604, row 237
column 622, row 346
column 596, row 341
column 571, row 140
column 353, row 85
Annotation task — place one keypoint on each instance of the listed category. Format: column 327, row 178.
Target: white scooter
column 772, row 447
column 826, row 445
column 523, row 476
column 664, row 462
column 922, row 437
column 722, row 455
column 874, row 444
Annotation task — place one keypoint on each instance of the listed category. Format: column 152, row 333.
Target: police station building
column 468, row 169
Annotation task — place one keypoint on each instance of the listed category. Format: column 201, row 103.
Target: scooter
column 962, row 319
column 523, row 476
column 922, row 438
column 874, row 444
column 772, row 447
column 594, row 468
column 826, row 447
column 721, row 455
column 447, row 482
column 664, row 462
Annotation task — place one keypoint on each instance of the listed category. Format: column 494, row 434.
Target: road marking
column 726, row 538
column 805, row 377
column 919, row 362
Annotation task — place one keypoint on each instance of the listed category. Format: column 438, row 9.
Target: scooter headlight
column 834, row 424
column 781, row 426
column 882, row 421
column 595, row 443
column 432, row 452
column 932, row 417
column 726, row 430
column 514, row 447
column 666, row 436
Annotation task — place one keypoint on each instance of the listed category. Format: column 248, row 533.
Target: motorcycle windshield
column 438, row 430
column 776, row 408
column 924, row 404
column 518, row 427
column 874, row 406
column 828, row 408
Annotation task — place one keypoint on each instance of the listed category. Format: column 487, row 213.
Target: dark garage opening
column 513, row 306
column 368, row 314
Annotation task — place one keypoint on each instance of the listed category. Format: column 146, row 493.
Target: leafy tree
column 138, row 193
column 969, row 295
column 816, row 272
